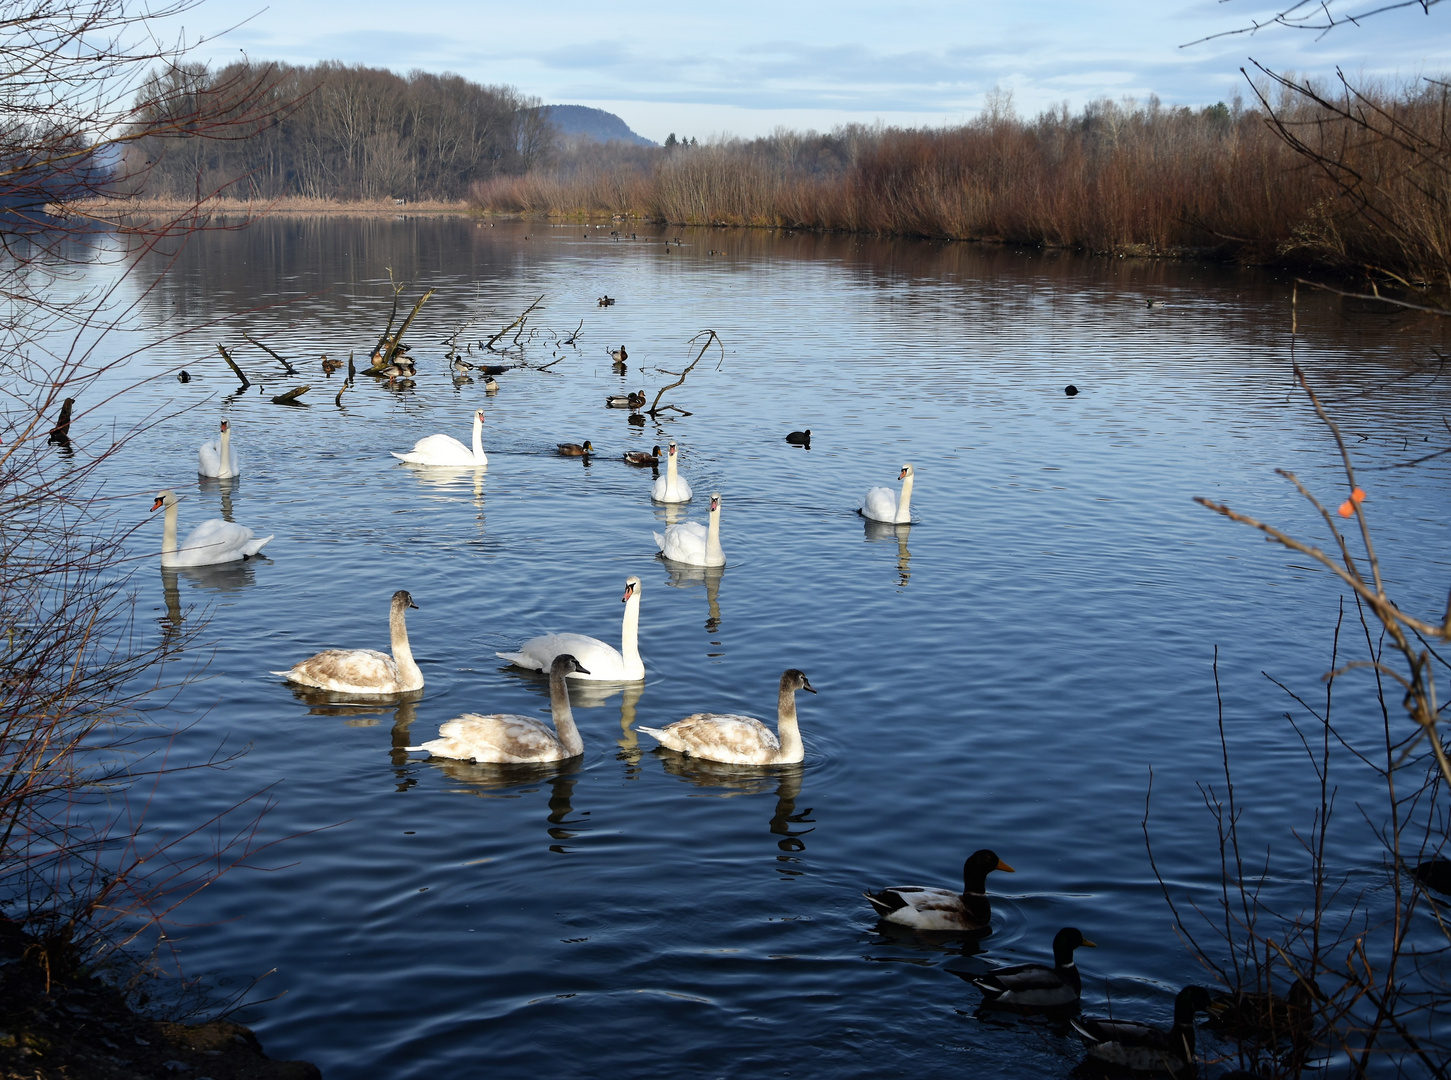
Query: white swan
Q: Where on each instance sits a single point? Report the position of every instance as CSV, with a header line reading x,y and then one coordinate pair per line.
x,y
692,543
447,451
882,504
218,458
511,739
741,740
214,541
672,487
365,671
605,663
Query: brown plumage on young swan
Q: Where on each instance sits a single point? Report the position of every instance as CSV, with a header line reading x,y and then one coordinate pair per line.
x,y
365,671
510,739
741,740
923,907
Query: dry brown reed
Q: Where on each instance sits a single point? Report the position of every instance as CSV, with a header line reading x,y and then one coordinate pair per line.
x,y
1362,181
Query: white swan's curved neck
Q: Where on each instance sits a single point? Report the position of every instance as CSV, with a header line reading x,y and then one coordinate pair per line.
x,y
630,633
409,677
226,451
792,749
904,504
670,469
168,535
569,740
478,436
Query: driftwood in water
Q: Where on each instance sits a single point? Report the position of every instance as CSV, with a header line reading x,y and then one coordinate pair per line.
x,y
710,336
233,365
61,433
522,316
338,401
290,398
286,363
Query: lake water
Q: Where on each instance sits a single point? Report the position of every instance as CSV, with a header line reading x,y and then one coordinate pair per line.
x,y
1006,673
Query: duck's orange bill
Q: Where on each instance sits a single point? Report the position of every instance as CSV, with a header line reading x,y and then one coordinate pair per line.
x,y
1004,866
1090,944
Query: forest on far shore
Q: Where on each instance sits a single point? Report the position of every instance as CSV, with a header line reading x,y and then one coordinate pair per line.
x,y
1350,178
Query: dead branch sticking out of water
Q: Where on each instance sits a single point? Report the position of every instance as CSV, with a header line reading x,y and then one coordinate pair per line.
x,y
517,322
61,433
233,365
290,398
573,338
286,363
710,337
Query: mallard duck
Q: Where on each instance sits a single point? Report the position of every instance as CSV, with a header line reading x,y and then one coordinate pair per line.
x,y
1038,985
925,908
639,457
1142,1048
1435,874
619,355
571,449
632,400
1262,1015
799,438
491,385
329,366
462,366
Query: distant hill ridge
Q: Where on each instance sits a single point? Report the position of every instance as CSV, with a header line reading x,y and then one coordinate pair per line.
x,y
594,124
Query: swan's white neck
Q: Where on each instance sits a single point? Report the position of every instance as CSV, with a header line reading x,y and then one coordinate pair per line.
x,y
225,468
409,677
786,730
478,437
630,633
713,551
168,534
904,504
569,740
670,470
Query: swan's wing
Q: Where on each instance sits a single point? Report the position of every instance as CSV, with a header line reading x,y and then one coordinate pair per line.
x,y
342,669
685,542
880,504
500,737
438,450
659,541
234,462
603,661
682,488
209,459
657,489
720,737
215,541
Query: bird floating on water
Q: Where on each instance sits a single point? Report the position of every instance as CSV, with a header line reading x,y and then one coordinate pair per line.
x,y
571,449
1140,1047
742,740
1038,986
923,907
799,438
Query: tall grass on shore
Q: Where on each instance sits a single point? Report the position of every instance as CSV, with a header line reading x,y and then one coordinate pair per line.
x,y
1224,181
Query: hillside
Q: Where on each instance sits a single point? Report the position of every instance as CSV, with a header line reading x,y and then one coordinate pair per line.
x,y
596,124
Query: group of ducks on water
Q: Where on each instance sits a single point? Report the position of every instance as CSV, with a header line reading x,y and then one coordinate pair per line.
x,y
721,737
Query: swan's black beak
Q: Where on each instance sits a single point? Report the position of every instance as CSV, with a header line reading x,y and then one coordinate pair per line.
x,y
806,685
581,668
412,604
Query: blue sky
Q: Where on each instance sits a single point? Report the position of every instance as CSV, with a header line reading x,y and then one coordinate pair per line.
x,y
745,67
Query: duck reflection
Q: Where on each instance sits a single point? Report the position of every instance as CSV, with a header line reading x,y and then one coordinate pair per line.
x,y
733,780
218,578
883,532
685,577
224,486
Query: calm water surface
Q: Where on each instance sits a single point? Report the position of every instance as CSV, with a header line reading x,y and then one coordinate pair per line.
x,y
1005,673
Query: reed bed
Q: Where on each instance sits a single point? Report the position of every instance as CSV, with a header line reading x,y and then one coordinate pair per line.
x,y
1347,180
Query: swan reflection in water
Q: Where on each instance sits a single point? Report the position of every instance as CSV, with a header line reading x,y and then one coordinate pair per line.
x,y
685,577
731,781
225,486
450,478
216,578
884,531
